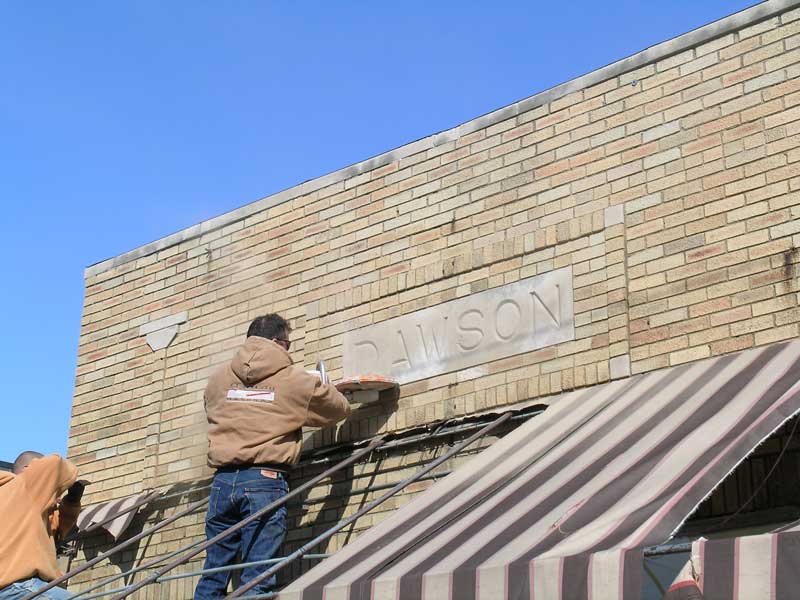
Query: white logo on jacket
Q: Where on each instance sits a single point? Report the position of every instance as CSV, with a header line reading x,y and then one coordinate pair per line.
x,y
255,395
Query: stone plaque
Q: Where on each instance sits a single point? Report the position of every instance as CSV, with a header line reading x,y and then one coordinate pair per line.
x,y
515,318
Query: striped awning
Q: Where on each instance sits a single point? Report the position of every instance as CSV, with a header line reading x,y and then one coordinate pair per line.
x,y
753,567
562,507
113,516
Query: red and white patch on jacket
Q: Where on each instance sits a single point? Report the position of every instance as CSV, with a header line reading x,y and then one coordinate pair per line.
x,y
239,395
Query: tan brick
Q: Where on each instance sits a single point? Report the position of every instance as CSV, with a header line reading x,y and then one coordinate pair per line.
x,y
689,354
777,334
710,306
774,305
750,239
732,344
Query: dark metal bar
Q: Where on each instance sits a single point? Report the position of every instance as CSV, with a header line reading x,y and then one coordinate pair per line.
x,y
185,492
352,519
106,593
195,574
375,488
144,567
236,567
256,515
121,546
668,548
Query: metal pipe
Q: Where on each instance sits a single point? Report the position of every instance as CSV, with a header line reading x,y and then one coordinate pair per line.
x,y
184,492
147,565
247,565
374,488
196,573
668,549
352,519
144,567
256,515
121,546
106,593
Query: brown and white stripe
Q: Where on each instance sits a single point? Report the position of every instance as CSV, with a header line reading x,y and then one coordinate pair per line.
x,y
755,567
561,508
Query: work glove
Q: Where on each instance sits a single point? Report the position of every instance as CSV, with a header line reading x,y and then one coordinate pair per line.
x,y
75,492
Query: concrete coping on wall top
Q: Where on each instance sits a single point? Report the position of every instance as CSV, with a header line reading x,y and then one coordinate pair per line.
x,y
689,40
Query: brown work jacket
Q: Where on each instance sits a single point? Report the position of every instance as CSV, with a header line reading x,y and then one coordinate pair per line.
x,y
258,404
32,516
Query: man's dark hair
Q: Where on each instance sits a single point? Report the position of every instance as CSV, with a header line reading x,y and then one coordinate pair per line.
x,y
24,459
269,326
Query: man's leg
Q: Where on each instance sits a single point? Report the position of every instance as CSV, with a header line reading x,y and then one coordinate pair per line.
x,y
20,589
262,539
222,512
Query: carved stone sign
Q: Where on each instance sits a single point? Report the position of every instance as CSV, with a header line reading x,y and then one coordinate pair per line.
x,y
515,318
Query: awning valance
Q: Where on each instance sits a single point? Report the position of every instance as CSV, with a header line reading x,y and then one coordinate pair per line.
x,y
561,508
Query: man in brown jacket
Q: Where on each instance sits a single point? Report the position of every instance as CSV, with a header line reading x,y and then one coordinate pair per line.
x,y
256,407
33,515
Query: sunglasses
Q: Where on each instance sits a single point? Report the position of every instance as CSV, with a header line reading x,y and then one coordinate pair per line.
x,y
283,342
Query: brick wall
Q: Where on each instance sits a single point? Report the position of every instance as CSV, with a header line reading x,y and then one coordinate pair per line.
x,y
672,190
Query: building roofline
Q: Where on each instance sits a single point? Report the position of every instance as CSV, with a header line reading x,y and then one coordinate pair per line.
x,y
716,29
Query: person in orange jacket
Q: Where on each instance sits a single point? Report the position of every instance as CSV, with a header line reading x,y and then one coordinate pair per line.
x,y
33,517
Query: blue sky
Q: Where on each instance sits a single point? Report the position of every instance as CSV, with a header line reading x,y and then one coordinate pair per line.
x,y
123,122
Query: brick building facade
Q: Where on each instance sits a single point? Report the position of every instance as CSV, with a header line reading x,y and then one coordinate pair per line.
x,y
667,185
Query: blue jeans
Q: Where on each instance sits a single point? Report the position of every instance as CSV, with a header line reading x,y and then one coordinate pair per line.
x,y
20,589
236,494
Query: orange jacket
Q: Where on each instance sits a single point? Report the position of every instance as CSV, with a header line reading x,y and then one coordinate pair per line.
x,y
31,517
258,404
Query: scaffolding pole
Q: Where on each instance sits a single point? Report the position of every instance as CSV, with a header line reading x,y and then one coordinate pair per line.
x,y
256,515
131,571
235,567
352,519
